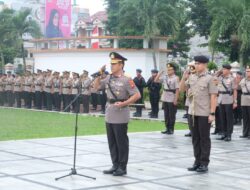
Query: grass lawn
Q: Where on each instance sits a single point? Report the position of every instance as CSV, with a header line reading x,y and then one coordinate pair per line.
x,y
27,124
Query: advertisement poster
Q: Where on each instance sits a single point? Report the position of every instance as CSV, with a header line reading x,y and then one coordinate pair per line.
x,y
58,18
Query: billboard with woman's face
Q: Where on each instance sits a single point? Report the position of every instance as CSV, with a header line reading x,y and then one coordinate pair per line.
x,y
58,18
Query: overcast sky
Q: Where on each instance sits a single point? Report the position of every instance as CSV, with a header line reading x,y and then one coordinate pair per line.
x,y
92,5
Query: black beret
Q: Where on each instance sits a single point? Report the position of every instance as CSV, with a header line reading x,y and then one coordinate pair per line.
x,y
227,66
138,70
116,57
171,66
201,59
154,71
239,73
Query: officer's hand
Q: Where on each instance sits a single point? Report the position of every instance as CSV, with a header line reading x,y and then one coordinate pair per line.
x,y
175,102
185,75
119,104
103,68
234,105
211,118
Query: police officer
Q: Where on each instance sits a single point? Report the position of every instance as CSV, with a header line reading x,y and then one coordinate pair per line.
x,y
140,84
245,103
48,89
28,83
9,88
75,91
154,93
2,89
121,91
237,110
66,90
202,96
169,97
38,83
103,95
18,89
227,101
86,82
57,90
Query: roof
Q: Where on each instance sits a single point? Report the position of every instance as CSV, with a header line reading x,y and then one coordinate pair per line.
x,y
101,15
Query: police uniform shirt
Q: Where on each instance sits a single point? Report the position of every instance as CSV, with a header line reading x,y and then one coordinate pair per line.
x,y
123,87
1,84
245,86
48,84
57,84
169,83
66,86
28,84
17,84
38,83
75,86
86,86
201,87
9,83
230,84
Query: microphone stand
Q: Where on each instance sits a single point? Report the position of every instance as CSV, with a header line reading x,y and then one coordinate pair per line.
x,y
73,170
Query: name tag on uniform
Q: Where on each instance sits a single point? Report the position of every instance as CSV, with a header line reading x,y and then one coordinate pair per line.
x,y
119,84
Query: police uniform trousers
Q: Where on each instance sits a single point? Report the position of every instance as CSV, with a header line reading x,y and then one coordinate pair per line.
x,y
1,98
237,110
169,115
9,94
49,100
66,102
33,95
218,127
154,102
76,103
28,99
94,100
226,114
57,101
246,120
201,139
118,143
190,122
44,100
85,103
103,100
18,99
38,97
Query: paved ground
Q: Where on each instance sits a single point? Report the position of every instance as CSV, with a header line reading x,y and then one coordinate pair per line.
x,y
156,162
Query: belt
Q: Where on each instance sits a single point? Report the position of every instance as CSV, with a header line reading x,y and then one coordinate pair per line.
x,y
225,92
48,86
17,85
27,85
112,101
38,85
66,87
170,90
246,93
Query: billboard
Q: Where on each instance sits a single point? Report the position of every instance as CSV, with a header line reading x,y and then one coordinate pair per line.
x,y
57,18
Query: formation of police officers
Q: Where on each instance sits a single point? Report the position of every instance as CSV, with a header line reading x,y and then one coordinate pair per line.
x,y
49,91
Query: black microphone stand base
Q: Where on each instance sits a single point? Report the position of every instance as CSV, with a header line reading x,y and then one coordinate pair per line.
x,y
74,172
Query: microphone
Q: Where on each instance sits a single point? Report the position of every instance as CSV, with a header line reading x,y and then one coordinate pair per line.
x,y
100,72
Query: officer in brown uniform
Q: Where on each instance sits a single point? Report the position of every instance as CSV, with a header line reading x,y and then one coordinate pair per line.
x,y
2,89
121,91
9,88
245,103
76,84
202,97
66,90
44,98
86,82
48,85
169,97
18,89
28,82
57,82
227,101
38,83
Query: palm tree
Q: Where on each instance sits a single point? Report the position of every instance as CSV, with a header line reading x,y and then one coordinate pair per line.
x,y
24,25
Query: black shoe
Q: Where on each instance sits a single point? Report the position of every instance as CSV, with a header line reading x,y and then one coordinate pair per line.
x,y
170,132
193,168
165,132
111,170
188,135
119,172
243,136
214,133
221,138
185,116
149,113
202,169
227,139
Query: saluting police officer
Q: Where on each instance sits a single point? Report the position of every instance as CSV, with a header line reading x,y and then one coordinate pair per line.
x,y
169,96
227,101
121,91
202,96
154,93
2,78
28,83
245,103
237,110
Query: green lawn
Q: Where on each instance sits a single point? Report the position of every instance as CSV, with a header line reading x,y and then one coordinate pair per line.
x,y
27,124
